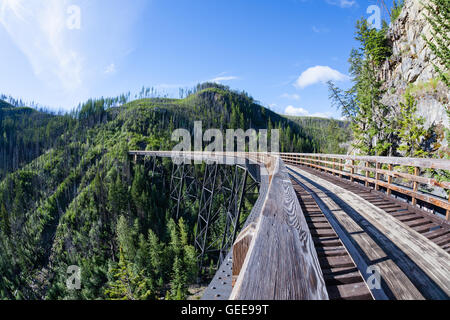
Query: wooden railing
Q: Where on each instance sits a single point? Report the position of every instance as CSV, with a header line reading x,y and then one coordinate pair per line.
x,y
401,175
274,257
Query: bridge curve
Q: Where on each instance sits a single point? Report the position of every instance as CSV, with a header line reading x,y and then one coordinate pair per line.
x,y
329,227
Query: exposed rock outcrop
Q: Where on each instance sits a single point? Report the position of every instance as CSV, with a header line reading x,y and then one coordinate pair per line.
x,y
411,67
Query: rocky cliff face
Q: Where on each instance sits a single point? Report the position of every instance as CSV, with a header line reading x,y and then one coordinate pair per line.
x,y
411,67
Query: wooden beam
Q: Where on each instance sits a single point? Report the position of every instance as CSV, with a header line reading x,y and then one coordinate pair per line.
x,y
389,191
415,185
377,176
442,164
240,249
367,174
352,171
281,263
426,255
447,216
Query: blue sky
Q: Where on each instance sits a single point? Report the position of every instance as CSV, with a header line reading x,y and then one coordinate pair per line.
x,y
279,51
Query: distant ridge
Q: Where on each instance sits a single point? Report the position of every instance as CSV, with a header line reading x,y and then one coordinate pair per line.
x,y
4,104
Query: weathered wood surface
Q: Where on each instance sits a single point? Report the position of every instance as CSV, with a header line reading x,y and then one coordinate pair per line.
x,y
365,251
366,168
415,195
281,263
240,249
403,255
266,160
342,277
410,162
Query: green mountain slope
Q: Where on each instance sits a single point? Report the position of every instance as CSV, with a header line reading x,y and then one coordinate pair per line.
x,y
25,134
330,136
5,105
78,201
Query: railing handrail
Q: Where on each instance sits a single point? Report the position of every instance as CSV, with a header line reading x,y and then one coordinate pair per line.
x,y
280,262
426,163
268,250
439,164
281,216
373,170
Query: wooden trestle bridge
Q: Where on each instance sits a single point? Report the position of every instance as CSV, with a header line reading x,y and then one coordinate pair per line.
x,y
323,226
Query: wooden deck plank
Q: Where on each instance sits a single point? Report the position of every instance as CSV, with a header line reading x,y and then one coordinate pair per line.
x,y
436,233
357,291
425,228
418,222
429,257
281,263
400,286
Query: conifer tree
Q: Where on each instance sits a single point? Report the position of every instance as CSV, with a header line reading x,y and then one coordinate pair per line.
x,y
125,236
411,129
179,280
127,284
372,127
438,15
156,254
4,220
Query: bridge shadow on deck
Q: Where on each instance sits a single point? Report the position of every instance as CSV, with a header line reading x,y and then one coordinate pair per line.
x,y
424,284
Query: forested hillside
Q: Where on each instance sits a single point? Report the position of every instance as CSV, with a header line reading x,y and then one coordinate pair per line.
x,y
330,136
69,194
399,102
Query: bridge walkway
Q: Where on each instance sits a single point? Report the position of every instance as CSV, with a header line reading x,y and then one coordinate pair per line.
x,y
407,247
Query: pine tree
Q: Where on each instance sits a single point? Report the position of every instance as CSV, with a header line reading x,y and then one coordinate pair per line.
x,y
155,250
189,253
175,243
127,284
125,236
411,129
179,280
438,15
370,122
4,220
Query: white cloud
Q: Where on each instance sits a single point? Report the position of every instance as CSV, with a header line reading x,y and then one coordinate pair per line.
x,y
320,30
290,96
292,111
111,69
343,3
38,28
301,112
318,74
223,78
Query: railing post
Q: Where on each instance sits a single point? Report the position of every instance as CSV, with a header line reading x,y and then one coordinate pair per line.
x,y
389,191
377,176
240,250
447,216
341,168
415,186
334,166
367,174
352,171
